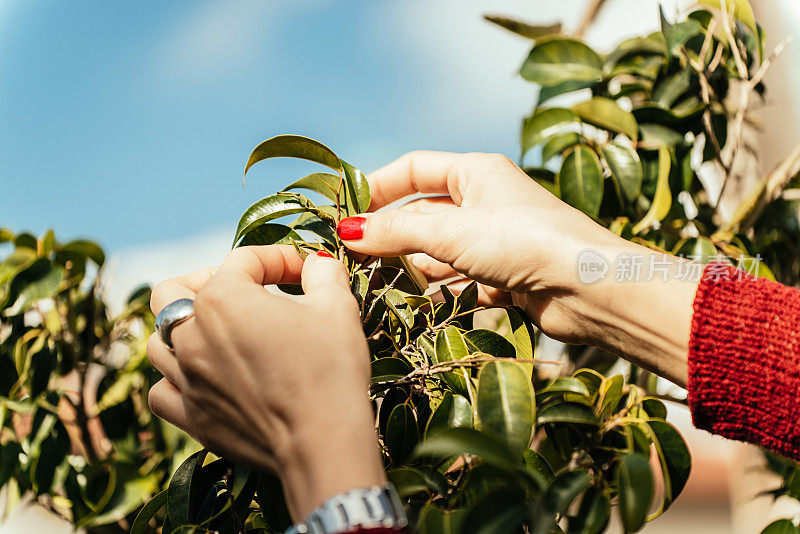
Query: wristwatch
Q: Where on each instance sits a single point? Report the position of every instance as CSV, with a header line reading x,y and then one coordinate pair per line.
x,y
375,507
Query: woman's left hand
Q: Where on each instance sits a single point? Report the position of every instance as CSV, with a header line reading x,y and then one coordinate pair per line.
x,y
273,383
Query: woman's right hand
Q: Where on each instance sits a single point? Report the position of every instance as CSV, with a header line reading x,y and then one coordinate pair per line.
x,y
493,224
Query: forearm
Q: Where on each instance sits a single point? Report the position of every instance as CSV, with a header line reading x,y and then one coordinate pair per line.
x,y
643,313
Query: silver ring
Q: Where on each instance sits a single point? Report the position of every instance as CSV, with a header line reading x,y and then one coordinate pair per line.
x,y
171,316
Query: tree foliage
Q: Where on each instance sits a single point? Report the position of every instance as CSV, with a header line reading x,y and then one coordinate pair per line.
x,y
478,433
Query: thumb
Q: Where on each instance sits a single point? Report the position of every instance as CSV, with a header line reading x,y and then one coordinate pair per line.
x,y
325,281
396,232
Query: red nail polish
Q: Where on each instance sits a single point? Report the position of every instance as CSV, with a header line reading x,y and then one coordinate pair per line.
x,y
324,254
351,228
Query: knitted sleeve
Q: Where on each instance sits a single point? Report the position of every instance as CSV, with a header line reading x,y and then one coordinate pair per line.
x,y
744,360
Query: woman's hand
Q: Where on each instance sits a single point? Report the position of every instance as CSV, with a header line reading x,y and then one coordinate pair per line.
x,y
494,224
276,384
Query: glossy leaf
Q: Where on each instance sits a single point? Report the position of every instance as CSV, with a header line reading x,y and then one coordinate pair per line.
x,y
385,369
674,456
635,484
559,60
742,10
458,441
273,207
568,412
410,481
87,249
565,489
676,35
781,526
402,433
270,234
506,406
450,346
537,463
518,330
326,184
501,510
605,113
593,514
531,31
662,201
294,146
489,342
564,385
580,180
625,168
433,520
558,144
179,489
453,411
545,123
358,193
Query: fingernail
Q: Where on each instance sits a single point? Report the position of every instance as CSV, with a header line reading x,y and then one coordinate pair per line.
x,y
351,228
324,254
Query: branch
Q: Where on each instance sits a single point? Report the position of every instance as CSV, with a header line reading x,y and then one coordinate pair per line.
x,y
589,17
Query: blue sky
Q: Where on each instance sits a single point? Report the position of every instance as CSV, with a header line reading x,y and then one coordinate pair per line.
x,y
131,122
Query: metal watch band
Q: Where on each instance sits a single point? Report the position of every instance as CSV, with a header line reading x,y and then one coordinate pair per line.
x,y
375,507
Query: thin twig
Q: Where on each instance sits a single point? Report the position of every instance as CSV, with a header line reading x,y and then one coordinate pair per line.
x,y
589,17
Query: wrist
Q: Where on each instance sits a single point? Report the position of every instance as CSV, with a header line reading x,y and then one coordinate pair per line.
x,y
642,307
330,455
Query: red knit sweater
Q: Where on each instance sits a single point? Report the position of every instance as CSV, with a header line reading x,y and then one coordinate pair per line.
x,y
744,361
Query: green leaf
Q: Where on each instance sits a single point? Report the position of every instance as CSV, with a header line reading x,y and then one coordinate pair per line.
x,y
563,385
531,31
179,489
358,194
580,180
501,510
410,481
610,393
402,433
558,144
677,35
568,412
294,146
506,406
450,346
668,90
565,489
605,113
457,441
386,369
40,281
699,249
489,342
519,331
86,249
433,520
781,526
537,463
147,512
662,200
274,207
676,462
625,168
324,183
561,60
543,124
593,514
551,91
637,46
654,408
742,10
655,135
271,501
454,411
635,486
270,234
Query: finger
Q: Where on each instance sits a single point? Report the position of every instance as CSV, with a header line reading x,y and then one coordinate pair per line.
x,y
396,232
433,270
166,402
181,287
264,265
416,172
164,360
326,282
429,205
